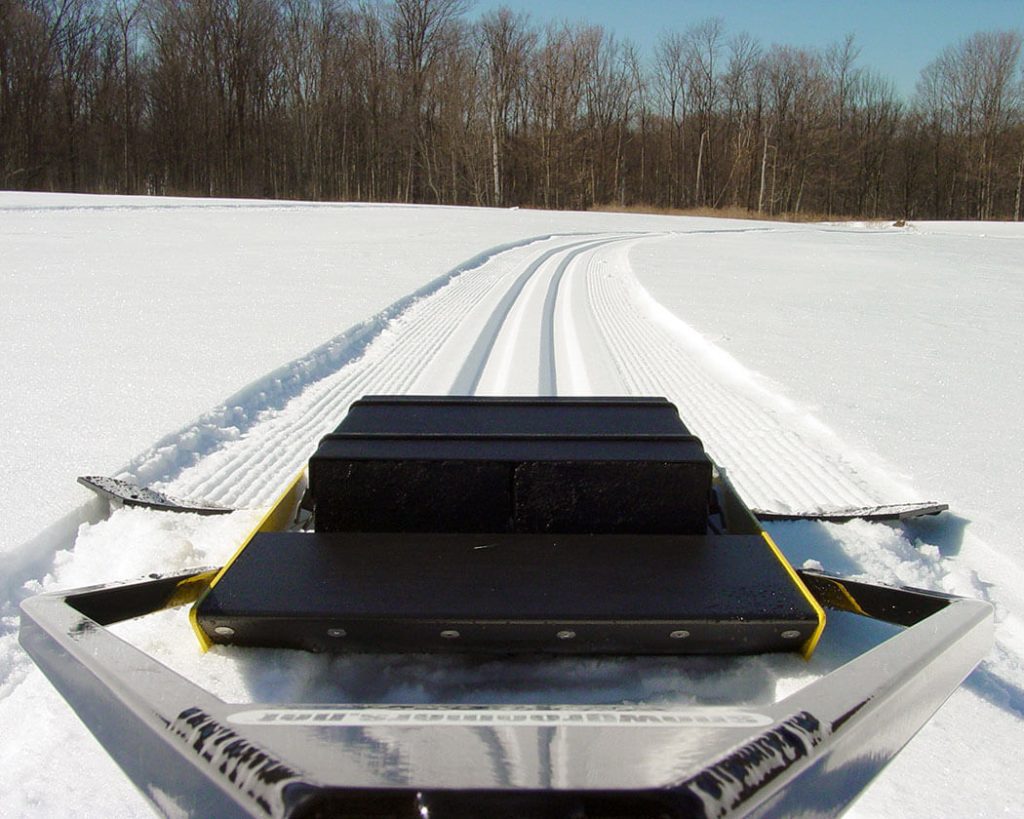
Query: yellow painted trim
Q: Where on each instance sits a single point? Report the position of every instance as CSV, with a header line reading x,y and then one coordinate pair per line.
x,y
851,604
812,642
279,516
189,589
205,643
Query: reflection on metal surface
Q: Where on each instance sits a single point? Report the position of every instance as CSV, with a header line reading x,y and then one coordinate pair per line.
x,y
251,769
731,781
473,717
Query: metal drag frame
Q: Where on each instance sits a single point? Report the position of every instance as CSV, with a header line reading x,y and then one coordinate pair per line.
x,y
811,753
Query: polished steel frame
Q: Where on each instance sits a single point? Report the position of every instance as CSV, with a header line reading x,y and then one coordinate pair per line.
x,y
810,753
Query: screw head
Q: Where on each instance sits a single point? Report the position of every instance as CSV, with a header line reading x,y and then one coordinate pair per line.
x,y
792,634
450,634
336,632
565,634
679,634
224,631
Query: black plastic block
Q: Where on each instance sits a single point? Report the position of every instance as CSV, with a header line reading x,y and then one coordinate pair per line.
x,y
643,497
511,465
413,496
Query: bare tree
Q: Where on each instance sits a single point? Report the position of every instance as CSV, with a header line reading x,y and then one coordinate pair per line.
x,y
419,29
125,13
507,45
972,91
671,81
704,47
412,100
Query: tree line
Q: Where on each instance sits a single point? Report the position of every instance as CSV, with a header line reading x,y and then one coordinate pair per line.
x,y
417,101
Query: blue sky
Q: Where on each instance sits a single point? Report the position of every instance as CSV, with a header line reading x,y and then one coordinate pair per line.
x,y
897,38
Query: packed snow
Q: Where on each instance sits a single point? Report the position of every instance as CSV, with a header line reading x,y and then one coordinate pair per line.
x,y
206,345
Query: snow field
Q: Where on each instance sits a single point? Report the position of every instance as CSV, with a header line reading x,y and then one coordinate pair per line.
x,y
543,303
906,340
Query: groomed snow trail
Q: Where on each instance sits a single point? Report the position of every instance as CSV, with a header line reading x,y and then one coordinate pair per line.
x,y
604,335
561,316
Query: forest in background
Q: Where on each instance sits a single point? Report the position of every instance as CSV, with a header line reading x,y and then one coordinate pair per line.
x,y
421,101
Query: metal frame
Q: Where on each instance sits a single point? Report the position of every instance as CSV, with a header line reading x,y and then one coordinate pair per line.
x,y
191,753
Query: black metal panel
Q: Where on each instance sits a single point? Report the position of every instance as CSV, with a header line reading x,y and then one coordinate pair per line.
x,y
523,803
482,415
421,495
413,496
508,448
505,593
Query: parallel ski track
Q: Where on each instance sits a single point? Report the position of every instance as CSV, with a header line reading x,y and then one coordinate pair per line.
x,y
468,380
523,352
247,472
563,316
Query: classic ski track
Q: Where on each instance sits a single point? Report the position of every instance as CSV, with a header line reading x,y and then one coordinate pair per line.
x,y
577,372
774,461
522,357
248,470
565,320
468,379
283,443
565,345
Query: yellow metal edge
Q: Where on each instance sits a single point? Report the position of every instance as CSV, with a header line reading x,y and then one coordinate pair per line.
x,y
849,603
189,589
812,642
276,518
205,643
